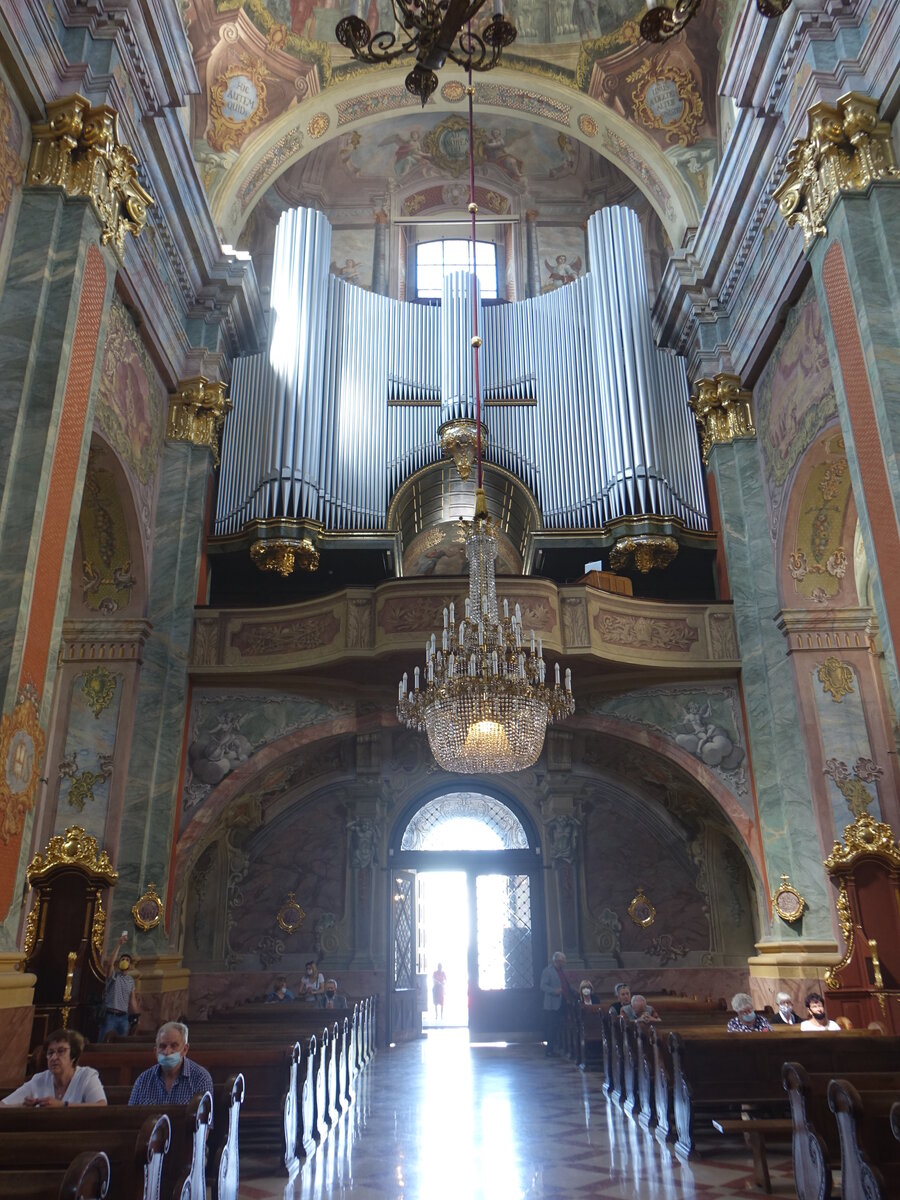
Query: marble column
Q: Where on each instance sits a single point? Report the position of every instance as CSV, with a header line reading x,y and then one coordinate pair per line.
x,y
532,255
856,268
151,808
52,328
781,773
363,839
380,283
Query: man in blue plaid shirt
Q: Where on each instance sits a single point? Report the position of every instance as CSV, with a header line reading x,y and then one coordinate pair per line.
x,y
174,1079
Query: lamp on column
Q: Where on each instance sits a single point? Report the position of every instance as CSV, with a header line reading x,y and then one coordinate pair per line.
x,y
433,31
484,699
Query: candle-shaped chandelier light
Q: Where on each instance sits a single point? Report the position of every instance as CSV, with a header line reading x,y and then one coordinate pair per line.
x,y
483,700
432,30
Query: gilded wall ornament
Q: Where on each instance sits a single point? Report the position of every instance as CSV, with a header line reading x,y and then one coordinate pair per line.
x,y
641,910
290,916
78,149
836,678
21,750
647,551
74,848
237,103
846,149
282,555
98,927
196,413
31,925
665,97
722,409
787,901
851,785
10,166
318,125
147,910
99,688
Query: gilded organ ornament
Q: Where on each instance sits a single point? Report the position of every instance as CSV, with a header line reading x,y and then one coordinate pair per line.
x,y
722,410
282,555
459,441
647,552
846,149
196,413
78,150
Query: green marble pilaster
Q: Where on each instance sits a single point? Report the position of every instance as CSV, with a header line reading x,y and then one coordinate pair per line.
x,y
38,312
867,227
154,770
786,813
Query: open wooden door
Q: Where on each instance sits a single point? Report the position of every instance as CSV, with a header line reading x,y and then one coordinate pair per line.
x,y
404,1017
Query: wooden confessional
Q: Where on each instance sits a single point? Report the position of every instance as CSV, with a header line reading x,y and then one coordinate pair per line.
x,y
865,984
64,933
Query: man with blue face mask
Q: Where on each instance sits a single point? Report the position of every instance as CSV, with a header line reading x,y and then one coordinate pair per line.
x,y
174,1079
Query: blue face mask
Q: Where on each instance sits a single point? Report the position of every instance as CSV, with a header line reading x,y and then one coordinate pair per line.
x,y
168,1062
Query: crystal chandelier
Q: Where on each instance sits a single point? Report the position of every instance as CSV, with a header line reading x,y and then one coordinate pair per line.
x,y
484,701
432,30
663,21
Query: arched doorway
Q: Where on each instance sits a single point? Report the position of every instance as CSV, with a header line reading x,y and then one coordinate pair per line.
x,y
486,853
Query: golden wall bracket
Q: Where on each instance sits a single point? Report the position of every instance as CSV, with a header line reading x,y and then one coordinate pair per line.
x,y
78,150
282,555
196,413
846,149
459,441
722,409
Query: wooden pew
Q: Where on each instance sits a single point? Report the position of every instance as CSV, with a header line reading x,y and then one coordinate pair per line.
x,y
86,1178
183,1170
136,1160
224,1156
870,1155
721,1072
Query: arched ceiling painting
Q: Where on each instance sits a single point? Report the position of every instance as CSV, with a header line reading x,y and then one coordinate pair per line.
x,y
581,113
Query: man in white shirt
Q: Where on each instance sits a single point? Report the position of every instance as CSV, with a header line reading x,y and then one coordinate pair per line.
x,y
818,1018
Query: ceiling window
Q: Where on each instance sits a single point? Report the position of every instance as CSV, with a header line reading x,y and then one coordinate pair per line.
x,y
436,259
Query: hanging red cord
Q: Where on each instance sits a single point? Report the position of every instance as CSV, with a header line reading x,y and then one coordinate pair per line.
x,y
473,209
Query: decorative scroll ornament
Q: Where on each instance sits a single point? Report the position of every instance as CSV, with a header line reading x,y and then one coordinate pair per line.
x,y
665,97
722,409
459,441
78,149
663,21
641,910
846,149
21,750
74,848
433,31
237,103
282,555
290,916
196,413
865,836
787,901
31,924
147,910
646,550
99,689
836,678
845,921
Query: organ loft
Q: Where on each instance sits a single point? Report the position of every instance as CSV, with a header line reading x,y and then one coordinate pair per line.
x,y
413,473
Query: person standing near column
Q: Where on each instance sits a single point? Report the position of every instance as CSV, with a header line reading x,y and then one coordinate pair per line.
x,y
119,997
553,983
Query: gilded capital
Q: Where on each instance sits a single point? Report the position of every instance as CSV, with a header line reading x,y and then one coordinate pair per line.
x,y
846,149
722,409
196,413
282,555
78,150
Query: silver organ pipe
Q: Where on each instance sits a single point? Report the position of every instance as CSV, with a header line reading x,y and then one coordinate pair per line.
x,y
345,403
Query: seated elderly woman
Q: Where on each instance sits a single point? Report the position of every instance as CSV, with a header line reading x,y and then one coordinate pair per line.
x,y
64,1082
747,1020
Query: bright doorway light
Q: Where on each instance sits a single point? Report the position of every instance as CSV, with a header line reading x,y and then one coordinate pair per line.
x,y
444,939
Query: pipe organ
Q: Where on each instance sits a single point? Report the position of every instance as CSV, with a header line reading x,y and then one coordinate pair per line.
x,y
344,405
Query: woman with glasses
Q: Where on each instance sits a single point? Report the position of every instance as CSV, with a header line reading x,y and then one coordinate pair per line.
x,y
64,1082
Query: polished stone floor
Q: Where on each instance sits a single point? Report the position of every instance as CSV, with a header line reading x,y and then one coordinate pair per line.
x,y
440,1118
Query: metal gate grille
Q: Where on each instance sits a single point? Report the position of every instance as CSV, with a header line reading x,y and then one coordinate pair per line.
x,y
403,931
503,905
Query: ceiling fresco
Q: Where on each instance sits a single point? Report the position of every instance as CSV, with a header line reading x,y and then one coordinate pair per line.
x,y
276,89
